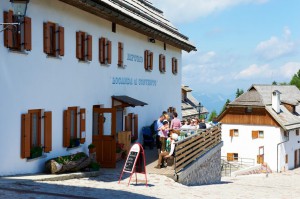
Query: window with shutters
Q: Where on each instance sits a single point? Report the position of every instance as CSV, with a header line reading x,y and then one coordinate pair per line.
x,y
148,60
120,55
36,133
83,46
255,134
53,39
104,51
17,37
232,156
297,132
131,124
162,63
74,127
233,132
261,134
174,66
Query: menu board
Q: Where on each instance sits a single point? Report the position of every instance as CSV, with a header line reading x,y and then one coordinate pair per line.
x,y
132,158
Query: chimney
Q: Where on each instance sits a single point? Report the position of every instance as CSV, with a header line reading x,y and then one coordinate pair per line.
x,y
276,101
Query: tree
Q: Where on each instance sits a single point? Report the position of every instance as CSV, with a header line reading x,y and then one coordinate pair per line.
x,y
274,83
225,105
239,92
296,79
212,115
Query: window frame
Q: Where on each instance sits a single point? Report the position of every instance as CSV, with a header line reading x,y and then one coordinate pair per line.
x,y
120,55
84,46
53,39
174,65
162,63
148,60
105,55
234,133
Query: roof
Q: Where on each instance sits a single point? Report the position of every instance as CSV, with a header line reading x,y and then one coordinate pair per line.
x,y
186,88
128,101
138,15
261,96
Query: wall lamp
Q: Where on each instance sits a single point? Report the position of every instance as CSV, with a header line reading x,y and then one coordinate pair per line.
x,y
19,8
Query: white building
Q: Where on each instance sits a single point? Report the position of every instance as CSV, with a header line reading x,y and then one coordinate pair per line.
x,y
78,72
263,124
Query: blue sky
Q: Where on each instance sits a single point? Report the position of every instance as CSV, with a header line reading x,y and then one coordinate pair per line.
x,y
239,43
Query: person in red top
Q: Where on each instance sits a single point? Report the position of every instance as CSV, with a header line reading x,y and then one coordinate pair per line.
x,y
175,123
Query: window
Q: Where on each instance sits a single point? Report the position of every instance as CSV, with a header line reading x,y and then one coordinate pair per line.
x,y
148,60
162,63
113,27
254,134
53,39
260,156
297,132
232,156
165,46
104,51
17,37
233,132
249,110
286,134
74,127
83,46
174,66
131,124
120,54
36,133
260,134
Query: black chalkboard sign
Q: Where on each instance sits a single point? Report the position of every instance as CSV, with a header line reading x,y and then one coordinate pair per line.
x,y
131,159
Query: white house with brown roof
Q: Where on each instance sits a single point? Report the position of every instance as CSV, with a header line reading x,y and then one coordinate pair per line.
x,y
263,124
77,72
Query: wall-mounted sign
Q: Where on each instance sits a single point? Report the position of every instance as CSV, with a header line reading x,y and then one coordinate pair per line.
x,y
133,81
135,58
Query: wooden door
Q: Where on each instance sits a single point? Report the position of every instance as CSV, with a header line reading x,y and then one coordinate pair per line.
x,y
104,137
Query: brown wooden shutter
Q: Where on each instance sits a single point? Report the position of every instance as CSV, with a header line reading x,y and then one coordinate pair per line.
x,y
128,122
61,41
8,33
82,126
27,33
164,63
67,128
176,66
79,44
136,126
46,38
230,156
254,134
146,59
151,60
231,132
120,54
173,65
160,63
48,131
102,50
25,136
109,52
89,47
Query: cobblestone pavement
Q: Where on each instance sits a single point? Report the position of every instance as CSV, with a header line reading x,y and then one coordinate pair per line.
x,y
282,186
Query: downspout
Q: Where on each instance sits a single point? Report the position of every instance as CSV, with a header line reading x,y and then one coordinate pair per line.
x,y
278,146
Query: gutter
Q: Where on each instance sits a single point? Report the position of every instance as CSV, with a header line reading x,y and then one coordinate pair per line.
x,y
280,144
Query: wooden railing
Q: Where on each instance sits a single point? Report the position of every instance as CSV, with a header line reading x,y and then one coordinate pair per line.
x,y
192,147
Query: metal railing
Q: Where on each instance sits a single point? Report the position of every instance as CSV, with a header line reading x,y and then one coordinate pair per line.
x,y
227,167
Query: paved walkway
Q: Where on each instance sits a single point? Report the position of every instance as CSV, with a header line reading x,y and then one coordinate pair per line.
x,y
282,186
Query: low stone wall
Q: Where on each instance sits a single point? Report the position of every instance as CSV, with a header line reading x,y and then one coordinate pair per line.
x,y
205,170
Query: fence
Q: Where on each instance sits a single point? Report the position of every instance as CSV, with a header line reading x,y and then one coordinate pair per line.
x,y
190,148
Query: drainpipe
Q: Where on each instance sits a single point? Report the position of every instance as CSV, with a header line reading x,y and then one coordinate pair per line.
x,y
280,144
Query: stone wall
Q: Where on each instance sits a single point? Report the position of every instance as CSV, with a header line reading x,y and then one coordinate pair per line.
x,y
205,170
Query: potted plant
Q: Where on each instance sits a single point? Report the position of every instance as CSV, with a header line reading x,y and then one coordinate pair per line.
x,y
92,148
36,152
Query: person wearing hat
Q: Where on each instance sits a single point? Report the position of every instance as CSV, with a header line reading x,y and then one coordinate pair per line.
x,y
166,155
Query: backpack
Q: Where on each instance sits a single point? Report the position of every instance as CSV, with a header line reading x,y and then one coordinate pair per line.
x,y
152,127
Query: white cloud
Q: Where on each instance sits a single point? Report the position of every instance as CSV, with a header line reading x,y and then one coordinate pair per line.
x,y
194,9
289,69
276,47
254,71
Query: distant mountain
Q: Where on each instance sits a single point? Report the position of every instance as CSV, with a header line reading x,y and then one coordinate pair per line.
x,y
212,101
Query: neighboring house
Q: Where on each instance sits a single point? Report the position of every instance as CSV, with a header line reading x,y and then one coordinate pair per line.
x,y
73,73
190,106
263,124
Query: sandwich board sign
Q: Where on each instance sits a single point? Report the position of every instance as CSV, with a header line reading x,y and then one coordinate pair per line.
x,y
135,162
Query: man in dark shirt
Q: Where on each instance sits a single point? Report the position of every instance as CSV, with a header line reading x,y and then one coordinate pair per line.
x,y
202,124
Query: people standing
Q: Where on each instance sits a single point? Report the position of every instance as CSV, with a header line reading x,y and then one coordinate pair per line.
x,y
158,127
163,135
175,123
202,124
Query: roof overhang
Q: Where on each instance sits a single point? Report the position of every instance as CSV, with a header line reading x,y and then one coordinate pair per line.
x,y
103,10
126,101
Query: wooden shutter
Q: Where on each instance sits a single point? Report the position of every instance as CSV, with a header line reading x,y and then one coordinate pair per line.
x,y
164,63
108,52
120,54
128,122
48,131
82,126
146,59
89,48
151,60
8,33
160,63
136,126
27,33
230,156
79,45
254,134
46,28
102,50
231,132
25,136
67,128
61,41
173,65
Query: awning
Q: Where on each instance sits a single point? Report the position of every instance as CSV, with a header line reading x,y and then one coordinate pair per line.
x,y
125,101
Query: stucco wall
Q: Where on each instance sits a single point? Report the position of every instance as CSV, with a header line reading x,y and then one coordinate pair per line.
x,y
35,81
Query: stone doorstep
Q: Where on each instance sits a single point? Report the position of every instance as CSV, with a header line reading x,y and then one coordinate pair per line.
x,y
50,177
